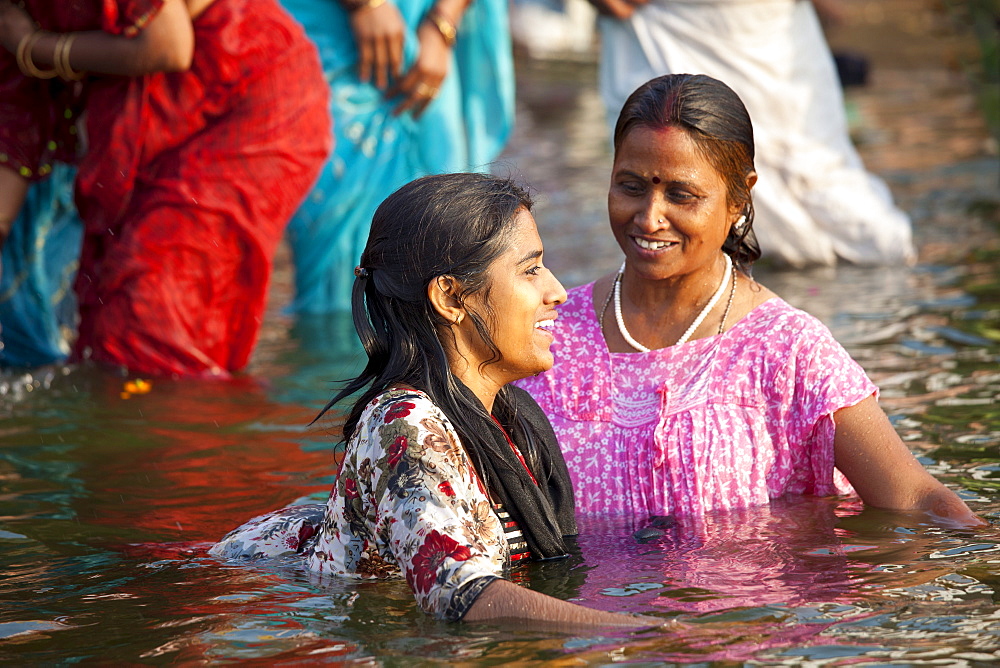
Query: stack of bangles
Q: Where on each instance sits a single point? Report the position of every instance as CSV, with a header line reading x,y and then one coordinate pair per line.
x,y
60,57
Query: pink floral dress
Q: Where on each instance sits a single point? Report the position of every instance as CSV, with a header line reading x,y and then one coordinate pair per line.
x,y
406,502
728,421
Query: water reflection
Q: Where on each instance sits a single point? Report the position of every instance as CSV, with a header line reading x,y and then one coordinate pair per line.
x,y
107,503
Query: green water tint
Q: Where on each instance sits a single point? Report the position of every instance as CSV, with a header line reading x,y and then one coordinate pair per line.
x,y
108,504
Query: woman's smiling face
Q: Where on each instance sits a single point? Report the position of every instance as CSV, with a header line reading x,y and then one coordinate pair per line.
x,y
667,204
522,297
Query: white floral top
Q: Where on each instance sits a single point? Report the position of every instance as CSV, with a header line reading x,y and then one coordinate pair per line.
x,y
406,502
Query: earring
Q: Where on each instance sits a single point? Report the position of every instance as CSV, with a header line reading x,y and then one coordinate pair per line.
x,y
740,222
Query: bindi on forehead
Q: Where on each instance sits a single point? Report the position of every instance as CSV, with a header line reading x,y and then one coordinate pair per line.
x,y
656,180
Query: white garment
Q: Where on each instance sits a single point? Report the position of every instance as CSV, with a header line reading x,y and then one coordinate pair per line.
x,y
814,201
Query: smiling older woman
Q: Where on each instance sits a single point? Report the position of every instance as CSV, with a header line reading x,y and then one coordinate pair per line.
x,y
681,385
450,476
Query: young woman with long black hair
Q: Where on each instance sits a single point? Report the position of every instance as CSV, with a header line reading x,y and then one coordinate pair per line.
x,y
450,475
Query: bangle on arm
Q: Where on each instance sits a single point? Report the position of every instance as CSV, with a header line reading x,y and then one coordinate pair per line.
x,y
352,6
24,61
444,25
61,58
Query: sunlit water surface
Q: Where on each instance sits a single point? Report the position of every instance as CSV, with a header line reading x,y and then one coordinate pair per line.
x,y
109,497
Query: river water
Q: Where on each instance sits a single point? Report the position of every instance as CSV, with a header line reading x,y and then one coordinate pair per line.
x,y
110,491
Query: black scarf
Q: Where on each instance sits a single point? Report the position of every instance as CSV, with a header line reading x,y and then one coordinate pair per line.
x,y
544,512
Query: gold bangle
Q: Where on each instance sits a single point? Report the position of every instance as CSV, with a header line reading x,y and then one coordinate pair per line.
x,y
24,61
447,29
61,58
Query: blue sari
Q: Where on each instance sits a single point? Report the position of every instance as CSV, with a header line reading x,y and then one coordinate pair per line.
x,y
40,257
463,129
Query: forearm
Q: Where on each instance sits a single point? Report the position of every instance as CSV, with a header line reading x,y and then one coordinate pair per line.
x,y
165,44
503,600
13,188
884,472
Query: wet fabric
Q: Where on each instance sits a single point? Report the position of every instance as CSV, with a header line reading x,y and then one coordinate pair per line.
x,y
39,260
187,182
538,495
724,422
407,503
814,201
375,152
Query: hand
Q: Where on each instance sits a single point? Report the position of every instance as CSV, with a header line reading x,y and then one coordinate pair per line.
x,y
420,85
379,33
619,9
15,23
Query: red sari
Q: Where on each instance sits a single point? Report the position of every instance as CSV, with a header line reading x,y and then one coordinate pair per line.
x,y
187,181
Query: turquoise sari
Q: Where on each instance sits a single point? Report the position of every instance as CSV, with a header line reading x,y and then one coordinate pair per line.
x,y
463,129
40,257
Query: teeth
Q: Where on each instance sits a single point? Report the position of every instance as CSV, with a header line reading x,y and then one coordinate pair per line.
x,y
652,245
545,324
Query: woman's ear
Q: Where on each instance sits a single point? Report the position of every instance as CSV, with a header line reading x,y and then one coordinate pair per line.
x,y
441,292
738,209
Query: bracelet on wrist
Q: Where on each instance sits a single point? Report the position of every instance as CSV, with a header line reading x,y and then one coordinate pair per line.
x,y
61,58
444,26
352,6
23,56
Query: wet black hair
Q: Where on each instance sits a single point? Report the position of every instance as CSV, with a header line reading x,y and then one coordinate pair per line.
x,y
452,225
720,126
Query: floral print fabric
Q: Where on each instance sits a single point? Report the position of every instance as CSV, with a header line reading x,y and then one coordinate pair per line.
x,y
729,421
407,502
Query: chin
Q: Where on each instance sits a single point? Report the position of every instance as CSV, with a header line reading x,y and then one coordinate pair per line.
x,y
545,365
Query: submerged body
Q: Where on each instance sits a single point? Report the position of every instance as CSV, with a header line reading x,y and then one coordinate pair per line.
x,y
407,503
718,423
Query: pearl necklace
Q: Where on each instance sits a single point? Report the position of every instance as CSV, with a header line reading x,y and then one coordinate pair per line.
x,y
694,325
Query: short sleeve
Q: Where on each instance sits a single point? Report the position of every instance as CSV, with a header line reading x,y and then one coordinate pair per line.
x,y
429,507
818,378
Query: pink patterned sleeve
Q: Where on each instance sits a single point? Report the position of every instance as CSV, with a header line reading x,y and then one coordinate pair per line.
x,y
818,378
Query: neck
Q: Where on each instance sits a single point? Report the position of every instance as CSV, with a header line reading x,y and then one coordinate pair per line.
x,y
482,386
678,294
672,318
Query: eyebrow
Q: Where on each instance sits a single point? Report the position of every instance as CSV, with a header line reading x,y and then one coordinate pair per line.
x,y
663,181
533,255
